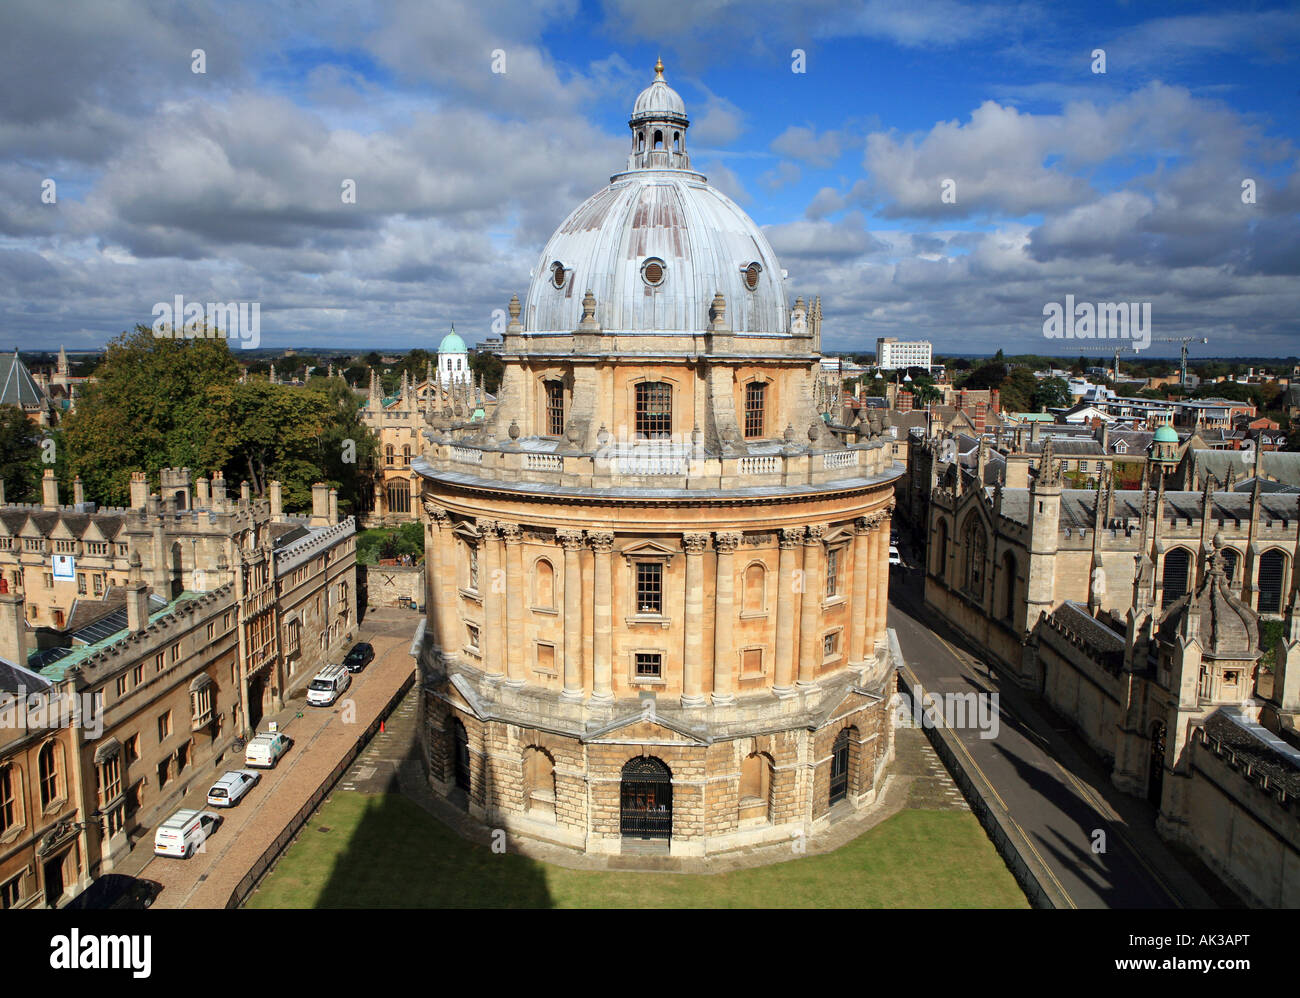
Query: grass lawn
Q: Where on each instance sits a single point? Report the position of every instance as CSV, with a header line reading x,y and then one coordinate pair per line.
x,y
385,852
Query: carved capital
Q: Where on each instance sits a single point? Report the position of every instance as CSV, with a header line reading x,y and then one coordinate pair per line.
x,y
727,543
695,543
791,537
601,541
490,529
511,533
864,525
814,534
570,540
436,513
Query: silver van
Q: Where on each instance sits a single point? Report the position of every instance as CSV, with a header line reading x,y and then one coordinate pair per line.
x,y
184,831
328,685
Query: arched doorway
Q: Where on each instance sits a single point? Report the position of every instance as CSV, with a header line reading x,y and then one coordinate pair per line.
x,y
460,753
1156,768
646,810
840,767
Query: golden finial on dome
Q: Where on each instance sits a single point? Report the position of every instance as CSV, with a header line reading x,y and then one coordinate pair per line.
x,y
659,68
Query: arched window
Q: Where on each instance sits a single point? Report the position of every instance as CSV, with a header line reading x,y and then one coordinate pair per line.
x,y
1008,586
539,782
976,543
460,754
406,455
640,141
840,760
677,141
1272,567
48,763
755,591
940,567
554,408
544,585
756,786
388,454
755,408
1177,565
654,410
1229,560
399,496
9,815
659,140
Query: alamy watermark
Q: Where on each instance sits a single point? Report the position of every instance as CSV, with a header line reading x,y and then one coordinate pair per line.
x,y
34,711
1122,320
978,711
179,319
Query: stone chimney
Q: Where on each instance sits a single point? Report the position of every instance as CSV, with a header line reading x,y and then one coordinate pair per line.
x,y
137,598
139,490
13,626
49,490
202,494
219,491
277,501
334,505
78,491
320,504
245,492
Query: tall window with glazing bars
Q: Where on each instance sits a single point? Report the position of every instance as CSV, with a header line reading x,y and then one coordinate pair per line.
x,y
654,410
755,399
555,408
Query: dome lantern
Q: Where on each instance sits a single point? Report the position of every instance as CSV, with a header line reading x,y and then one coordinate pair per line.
x,y
659,126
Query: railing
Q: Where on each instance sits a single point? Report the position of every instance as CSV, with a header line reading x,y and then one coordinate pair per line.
x,y
651,460
844,459
543,462
768,465
466,455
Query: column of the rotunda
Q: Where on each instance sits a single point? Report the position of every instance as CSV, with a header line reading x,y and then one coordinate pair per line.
x,y
882,566
873,580
810,624
453,634
786,649
693,641
602,544
492,640
859,624
571,541
435,522
513,537
724,617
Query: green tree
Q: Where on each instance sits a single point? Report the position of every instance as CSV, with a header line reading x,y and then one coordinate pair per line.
x,y
20,455
1054,393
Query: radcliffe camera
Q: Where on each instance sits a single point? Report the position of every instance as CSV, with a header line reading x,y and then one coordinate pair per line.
x,y
807,455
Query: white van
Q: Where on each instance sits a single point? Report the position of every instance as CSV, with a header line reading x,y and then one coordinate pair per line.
x,y
264,750
328,685
184,832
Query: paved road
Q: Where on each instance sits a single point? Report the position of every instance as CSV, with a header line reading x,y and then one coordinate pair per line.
x,y
322,736
1058,809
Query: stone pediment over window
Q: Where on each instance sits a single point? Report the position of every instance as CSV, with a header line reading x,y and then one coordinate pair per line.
x,y
649,549
643,729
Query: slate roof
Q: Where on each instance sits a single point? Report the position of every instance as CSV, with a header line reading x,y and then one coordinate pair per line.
x,y
1256,745
1076,617
1284,466
1078,506
17,387
14,678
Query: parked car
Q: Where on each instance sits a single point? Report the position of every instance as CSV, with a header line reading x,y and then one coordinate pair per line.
x,y
328,685
230,789
264,751
117,891
359,657
894,557
184,832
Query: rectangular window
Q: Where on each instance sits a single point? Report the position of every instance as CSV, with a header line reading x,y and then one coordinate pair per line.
x,y
654,410
176,652
555,408
473,636
99,584
8,805
473,568
832,572
164,726
831,645
121,686
755,399
11,892
649,587
81,583
110,780
131,748
546,659
158,662
649,664
212,631
137,675
751,662
165,772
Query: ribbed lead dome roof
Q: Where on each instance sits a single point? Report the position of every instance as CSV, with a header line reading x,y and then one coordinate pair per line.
x,y
657,244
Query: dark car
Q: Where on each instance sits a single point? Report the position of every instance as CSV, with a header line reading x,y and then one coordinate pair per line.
x,y
359,657
116,890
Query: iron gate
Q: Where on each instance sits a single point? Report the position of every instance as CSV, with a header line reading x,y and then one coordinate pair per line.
x,y
840,768
460,751
647,800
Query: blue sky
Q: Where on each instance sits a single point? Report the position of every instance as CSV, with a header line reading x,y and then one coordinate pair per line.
x,y
224,186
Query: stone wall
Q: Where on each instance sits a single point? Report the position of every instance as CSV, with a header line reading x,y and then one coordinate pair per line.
x,y
387,585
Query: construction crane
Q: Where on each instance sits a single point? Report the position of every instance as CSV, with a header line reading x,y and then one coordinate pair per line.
x,y
1184,340
1115,349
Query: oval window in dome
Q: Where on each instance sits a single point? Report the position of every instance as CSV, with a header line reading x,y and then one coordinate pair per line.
x,y
652,272
557,274
751,276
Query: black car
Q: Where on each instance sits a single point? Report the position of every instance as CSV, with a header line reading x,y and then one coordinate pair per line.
x,y
359,657
115,890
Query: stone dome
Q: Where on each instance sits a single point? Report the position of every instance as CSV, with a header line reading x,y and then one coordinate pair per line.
x,y
1227,627
452,343
1166,435
656,245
